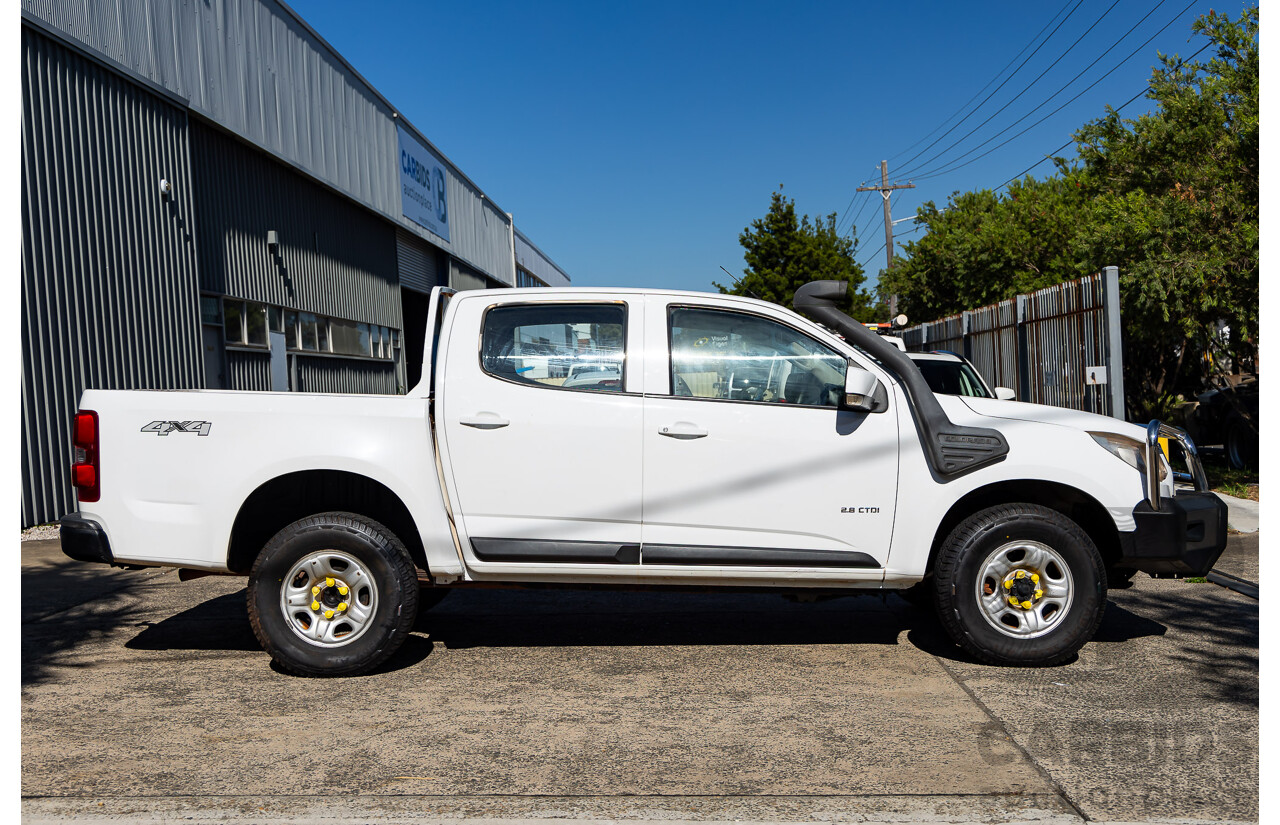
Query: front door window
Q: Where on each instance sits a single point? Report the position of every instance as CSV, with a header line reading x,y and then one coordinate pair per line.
x,y
735,356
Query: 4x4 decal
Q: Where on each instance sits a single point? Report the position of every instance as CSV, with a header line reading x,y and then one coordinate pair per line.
x,y
166,427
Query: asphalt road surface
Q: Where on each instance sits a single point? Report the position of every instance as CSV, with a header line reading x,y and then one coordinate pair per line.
x,y
148,699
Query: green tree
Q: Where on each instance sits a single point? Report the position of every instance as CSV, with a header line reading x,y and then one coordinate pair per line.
x,y
1174,197
784,252
983,247
1170,197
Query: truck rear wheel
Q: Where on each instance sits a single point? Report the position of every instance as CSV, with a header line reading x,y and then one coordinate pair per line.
x,y
1020,584
332,594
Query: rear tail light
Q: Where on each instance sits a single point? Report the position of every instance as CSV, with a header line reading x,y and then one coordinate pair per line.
x,y
85,473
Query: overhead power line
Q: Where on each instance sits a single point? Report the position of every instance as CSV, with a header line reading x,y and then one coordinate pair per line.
x,y
845,214
1052,154
998,88
1013,99
989,82
853,224
949,166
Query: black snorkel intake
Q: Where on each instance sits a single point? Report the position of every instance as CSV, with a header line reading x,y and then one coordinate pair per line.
x,y
950,449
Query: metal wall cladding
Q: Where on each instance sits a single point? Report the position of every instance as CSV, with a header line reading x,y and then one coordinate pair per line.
x,y
334,257
418,262
1039,344
255,68
533,260
346,375
463,277
480,233
109,289
248,370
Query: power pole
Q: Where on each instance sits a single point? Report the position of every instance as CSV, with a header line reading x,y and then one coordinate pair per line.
x,y
884,189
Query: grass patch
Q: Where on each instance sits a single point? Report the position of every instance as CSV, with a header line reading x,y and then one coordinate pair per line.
x,y
1223,479
1195,580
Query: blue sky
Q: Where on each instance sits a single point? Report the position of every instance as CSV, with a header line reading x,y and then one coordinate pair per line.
x,y
634,142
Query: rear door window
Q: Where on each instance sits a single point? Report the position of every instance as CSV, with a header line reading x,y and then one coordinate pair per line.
x,y
561,346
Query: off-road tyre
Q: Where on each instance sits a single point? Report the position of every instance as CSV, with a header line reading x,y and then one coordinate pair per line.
x,y
970,546
385,561
1240,443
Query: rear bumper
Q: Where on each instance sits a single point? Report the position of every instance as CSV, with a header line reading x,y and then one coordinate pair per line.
x,y
84,540
1184,537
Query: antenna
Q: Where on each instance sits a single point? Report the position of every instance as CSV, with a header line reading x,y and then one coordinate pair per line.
x,y
738,284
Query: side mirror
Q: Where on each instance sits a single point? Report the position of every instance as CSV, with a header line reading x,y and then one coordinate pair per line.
x,y
859,390
1005,394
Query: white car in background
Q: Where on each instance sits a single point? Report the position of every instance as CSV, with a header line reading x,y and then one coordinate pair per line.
x,y
594,376
951,374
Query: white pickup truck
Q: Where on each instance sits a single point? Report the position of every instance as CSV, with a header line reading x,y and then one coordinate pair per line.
x,y
727,442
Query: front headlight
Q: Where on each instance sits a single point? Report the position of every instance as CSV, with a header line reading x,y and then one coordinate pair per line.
x,y
1129,450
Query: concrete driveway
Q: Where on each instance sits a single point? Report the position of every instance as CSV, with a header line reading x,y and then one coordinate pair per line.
x,y
148,699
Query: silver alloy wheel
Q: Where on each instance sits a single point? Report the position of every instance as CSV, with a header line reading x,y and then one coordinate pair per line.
x,y
328,599
1024,589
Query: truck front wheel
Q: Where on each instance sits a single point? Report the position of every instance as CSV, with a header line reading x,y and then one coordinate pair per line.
x,y
332,594
1020,584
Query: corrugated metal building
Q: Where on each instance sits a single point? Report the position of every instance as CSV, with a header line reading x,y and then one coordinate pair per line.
x,y
214,198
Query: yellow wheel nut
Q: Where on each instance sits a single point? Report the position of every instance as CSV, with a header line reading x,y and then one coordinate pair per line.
x,y
1035,578
342,591
1013,602
342,606
1026,605
315,591
1038,593
1021,574
328,614
328,582
1008,583
315,605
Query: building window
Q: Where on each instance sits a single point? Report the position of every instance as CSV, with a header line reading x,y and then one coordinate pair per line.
x,y
209,313
310,336
524,278
291,329
351,338
255,322
245,322
233,311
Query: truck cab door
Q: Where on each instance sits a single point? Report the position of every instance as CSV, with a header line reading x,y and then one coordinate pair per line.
x,y
541,415
749,464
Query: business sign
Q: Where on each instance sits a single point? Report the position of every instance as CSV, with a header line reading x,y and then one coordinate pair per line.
x,y
424,196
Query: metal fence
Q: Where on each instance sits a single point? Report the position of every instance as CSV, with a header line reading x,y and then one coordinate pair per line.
x,y
1059,345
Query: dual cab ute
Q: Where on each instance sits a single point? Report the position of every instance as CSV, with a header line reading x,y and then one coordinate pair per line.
x,y
720,441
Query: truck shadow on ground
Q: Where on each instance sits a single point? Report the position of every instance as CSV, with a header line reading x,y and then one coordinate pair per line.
x,y
221,625
1210,634
576,618
67,605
